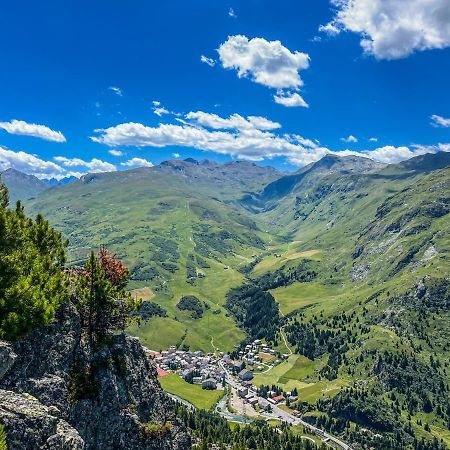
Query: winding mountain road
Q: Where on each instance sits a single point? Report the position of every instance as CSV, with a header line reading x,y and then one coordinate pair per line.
x,y
278,413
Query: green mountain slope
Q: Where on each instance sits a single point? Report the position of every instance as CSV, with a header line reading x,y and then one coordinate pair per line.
x,y
22,186
178,227
349,257
376,318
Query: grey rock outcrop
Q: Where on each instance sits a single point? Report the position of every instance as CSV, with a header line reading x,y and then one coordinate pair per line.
x,y
7,358
110,399
31,425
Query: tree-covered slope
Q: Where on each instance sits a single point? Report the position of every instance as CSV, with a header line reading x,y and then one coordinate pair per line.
x,y
376,318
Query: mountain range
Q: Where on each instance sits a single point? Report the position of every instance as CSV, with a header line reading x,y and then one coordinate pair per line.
x,y
372,315
24,187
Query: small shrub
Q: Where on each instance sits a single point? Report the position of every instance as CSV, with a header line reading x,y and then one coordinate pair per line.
x,y
156,430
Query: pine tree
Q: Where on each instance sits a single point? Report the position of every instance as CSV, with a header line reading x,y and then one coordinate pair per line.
x,y
103,303
32,283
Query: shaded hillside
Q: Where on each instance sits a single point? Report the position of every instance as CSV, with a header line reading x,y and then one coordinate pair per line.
x,y
410,230
324,200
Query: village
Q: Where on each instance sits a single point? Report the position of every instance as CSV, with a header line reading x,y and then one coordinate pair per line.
x,y
214,371
238,400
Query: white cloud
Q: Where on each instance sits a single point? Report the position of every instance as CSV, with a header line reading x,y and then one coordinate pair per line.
x,y
160,111
235,121
422,149
23,128
252,144
33,165
204,59
444,147
250,138
28,163
115,152
116,90
290,99
350,139
390,154
137,162
439,121
94,165
232,13
392,29
176,155
329,28
373,139
265,62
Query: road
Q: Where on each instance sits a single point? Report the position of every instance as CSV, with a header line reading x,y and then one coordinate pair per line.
x,y
184,402
285,341
278,413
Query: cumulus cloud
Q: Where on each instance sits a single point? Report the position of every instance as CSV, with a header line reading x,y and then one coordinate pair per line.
x,y
204,59
28,163
252,138
94,165
290,99
23,128
235,121
116,90
350,139
439,121
137,162
390,154
392,29
373,139
268,63
251,144
114,152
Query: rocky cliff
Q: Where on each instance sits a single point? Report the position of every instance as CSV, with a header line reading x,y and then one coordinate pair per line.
x,y
56,394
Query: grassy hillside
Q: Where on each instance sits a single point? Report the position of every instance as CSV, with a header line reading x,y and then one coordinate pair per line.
x,y
377,316
179,229
351,255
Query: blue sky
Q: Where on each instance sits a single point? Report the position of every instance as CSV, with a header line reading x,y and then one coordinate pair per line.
x,y
313,76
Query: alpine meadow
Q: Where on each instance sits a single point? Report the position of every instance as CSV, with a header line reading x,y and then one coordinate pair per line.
x,y
225,226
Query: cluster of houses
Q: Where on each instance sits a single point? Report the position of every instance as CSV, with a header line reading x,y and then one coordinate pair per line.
x,y
264,404
208,371
251,354
193,367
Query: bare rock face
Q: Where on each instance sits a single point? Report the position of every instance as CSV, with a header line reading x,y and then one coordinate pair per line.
x,y
7,358
31,425
110,399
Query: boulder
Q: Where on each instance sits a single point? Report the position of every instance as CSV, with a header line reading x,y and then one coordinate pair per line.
x,y
29,425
